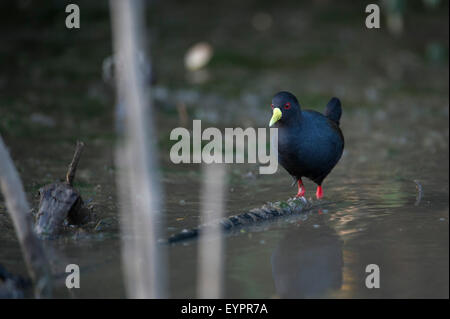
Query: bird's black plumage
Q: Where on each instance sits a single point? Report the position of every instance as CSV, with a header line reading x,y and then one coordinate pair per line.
x,y
309,143
333,110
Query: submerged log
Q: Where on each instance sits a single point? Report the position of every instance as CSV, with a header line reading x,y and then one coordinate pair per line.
x,y
13,286
265,213
60,202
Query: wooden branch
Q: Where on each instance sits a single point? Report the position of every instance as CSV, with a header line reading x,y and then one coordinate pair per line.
x,y
267,212
137,179
211,243
70,176
19,210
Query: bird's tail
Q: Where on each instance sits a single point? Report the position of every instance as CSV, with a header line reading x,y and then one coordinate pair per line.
x,y
334,110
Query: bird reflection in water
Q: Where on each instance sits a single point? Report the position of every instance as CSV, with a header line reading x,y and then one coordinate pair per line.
x,y
307,262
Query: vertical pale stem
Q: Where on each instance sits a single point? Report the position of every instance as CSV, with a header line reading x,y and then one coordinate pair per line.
x,y
19,210
211,243
139,191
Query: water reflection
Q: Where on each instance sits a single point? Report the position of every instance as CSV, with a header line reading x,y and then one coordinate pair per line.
x,y
307,262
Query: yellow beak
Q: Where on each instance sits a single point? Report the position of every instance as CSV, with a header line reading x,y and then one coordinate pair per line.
x,y
276,116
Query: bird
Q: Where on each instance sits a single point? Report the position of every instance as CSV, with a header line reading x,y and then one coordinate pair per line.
x,y
310,143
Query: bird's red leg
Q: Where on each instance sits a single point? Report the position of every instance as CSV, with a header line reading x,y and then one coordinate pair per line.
x,y
301,189
319,192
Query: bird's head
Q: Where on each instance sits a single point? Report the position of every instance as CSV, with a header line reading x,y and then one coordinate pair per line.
x,y
285,108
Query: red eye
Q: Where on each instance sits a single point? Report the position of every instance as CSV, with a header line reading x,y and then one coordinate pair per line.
x,y
287,106
272,106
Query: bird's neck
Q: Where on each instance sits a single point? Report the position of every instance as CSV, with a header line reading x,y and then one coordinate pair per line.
x,y
293,122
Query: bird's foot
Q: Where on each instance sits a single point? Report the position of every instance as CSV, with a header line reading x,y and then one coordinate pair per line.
x,y
301,192
319,192
301,189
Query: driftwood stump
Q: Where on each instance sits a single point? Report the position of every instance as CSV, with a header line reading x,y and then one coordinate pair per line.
x,y
60,202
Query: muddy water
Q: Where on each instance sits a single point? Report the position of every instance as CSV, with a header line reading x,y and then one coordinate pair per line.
x,y
373,214
395,123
